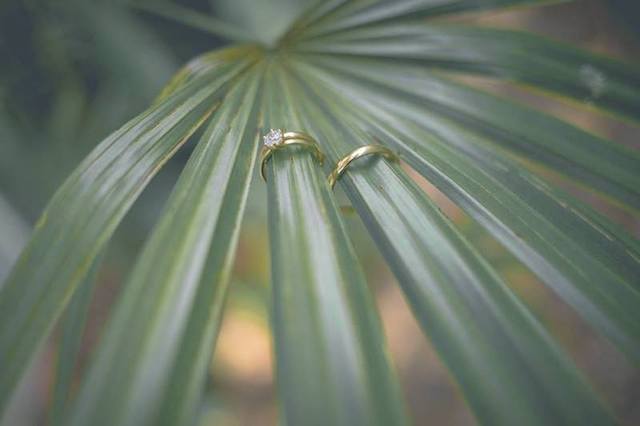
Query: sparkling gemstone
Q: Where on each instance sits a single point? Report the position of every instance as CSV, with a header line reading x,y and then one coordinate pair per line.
x,y
272,138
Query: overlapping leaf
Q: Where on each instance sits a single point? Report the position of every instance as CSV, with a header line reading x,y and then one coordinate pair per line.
x,y
578,258
331,363
494,347
163,327
72,327
84,213
590,79
336,16
595,162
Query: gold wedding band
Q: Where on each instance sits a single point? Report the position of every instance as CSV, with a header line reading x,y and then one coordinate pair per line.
x,y
278,139
341,166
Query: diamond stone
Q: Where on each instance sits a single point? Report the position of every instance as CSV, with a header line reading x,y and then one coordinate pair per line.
x,y
272,138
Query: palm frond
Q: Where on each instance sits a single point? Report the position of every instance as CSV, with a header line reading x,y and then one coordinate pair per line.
x,y
332,365
191,247
86,210
350,73
493,346
596,162
510,55
539,224
336,16
72,326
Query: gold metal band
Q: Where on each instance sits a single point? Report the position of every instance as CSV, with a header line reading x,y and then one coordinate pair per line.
x,y
289,139
298,135
341,166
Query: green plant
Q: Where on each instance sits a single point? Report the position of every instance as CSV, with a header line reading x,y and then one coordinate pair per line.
x,y
348,72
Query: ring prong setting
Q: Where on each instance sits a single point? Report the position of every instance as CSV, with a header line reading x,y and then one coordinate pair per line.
x,y
273,137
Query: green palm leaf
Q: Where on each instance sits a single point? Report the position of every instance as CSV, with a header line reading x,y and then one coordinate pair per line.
x,y
563,148
347,15
72,325
510,55
169,308
84,213
332,366
516,206
493,346
349,73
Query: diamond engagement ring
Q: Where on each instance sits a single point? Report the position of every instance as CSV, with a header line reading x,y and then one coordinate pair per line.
x,y
277,139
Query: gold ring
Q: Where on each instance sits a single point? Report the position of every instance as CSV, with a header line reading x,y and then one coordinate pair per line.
x,y
342,165
278,139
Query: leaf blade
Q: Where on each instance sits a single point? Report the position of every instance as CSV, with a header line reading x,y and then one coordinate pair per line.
x,y
83,214
606,166
72,325
366,14
493,346
160,343
331,363
589,79
544,228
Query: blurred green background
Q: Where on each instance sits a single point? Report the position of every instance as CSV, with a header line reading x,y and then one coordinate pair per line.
x,y
74,71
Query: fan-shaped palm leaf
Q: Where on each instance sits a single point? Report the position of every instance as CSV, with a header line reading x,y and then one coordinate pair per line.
x,y
349,73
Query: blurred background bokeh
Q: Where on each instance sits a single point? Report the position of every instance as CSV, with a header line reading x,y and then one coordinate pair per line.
x,y
71,72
